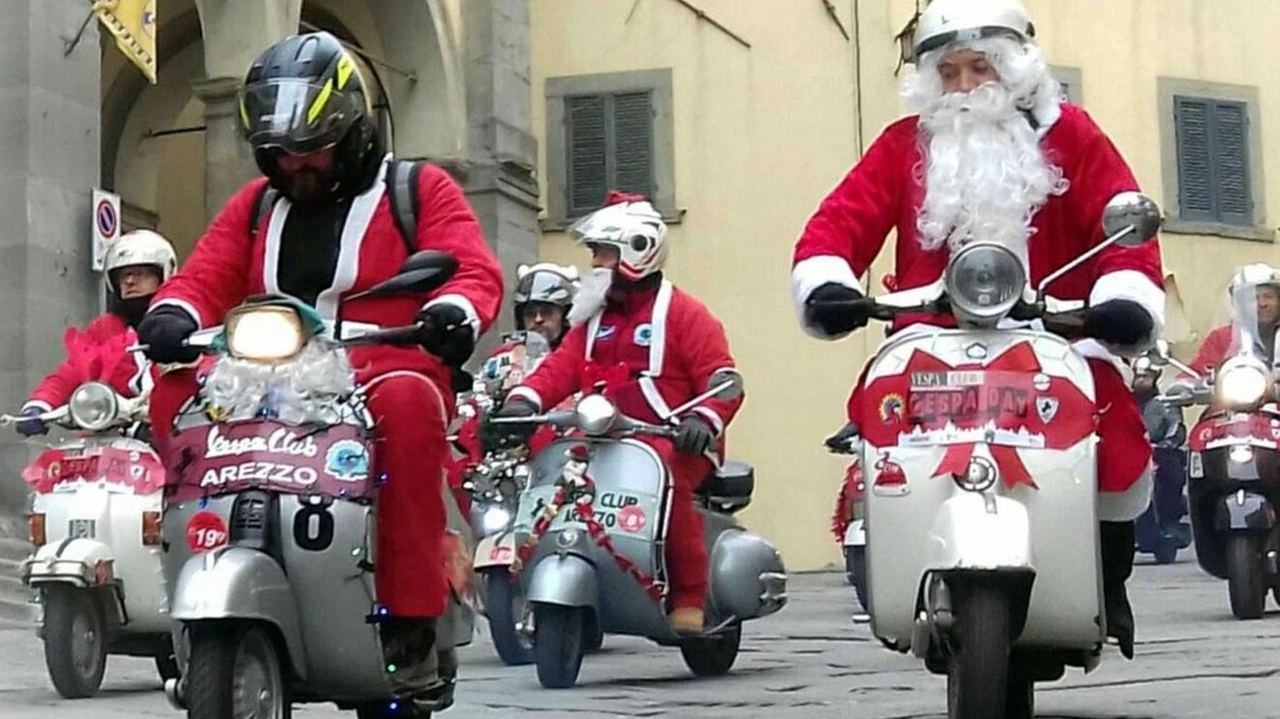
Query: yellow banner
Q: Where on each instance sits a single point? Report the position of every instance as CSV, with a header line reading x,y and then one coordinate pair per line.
x,y
133,22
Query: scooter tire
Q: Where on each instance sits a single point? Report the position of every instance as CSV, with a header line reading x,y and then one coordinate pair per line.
x,y
1167,552
712,656
73,616
1021,698
501,597
216,652
1245,585
978,668
855,565
167,667
559,643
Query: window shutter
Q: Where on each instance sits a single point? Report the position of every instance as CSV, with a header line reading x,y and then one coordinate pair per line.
x,y
633,142
1195,159
1231,163
587,143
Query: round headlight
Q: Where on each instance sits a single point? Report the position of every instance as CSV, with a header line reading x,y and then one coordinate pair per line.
x,y
984,281
1243,382
94,406
595,414
265,334
980,476
496,519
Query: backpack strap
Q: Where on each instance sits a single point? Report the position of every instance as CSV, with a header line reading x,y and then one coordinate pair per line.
x,y
266,200
402,190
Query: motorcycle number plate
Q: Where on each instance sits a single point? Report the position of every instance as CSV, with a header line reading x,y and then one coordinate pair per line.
x,y
1195,465
82,529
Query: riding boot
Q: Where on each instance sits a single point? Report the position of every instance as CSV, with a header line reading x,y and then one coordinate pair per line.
x,y
408,647
1117,566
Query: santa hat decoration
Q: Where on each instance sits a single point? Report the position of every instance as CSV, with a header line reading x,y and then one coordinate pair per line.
x,y
617,197
578,452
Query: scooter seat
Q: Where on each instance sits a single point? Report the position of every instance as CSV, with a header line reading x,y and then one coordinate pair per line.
x,y
730,487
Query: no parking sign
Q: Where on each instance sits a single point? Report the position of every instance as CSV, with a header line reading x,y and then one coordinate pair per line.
x,y
106,225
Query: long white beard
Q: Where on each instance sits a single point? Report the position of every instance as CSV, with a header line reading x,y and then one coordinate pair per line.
x,y
593,291
985,174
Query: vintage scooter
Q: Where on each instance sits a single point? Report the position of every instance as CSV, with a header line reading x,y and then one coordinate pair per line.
x,y
95,523
588,537
270,528
848,522
982,479
1233,465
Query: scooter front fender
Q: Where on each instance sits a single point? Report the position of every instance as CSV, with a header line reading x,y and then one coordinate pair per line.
x,y
496,550
79,562
240,583
980,532
565,579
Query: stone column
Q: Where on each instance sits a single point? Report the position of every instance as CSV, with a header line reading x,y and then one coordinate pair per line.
x,y
502,152
235,32
49,163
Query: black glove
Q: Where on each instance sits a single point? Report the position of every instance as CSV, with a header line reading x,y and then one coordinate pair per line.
x,y
32,427
694,436
446,334
835,320
839,442
518,431
1118,322
163,330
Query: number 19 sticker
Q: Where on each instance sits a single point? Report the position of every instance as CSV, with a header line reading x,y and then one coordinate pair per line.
x,y
206,532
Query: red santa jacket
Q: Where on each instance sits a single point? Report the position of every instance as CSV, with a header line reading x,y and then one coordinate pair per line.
x,y
670,344
98,353
231,263
1213,350
885,190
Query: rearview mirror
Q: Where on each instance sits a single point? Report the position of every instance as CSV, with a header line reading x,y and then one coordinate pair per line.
x,y
1131,209
422,272
726,383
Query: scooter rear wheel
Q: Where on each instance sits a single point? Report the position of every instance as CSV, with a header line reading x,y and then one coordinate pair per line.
x,y
235,671
712,656
1244,577
978,671
558,643
75,641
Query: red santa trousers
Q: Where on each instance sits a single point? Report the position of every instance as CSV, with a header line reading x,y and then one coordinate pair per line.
x,y
686,550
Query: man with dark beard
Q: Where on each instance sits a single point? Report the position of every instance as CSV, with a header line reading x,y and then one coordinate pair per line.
x,y
136,265
994,154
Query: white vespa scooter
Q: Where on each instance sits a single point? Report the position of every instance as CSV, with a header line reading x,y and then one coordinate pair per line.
x,y
95,522
987,453
270,524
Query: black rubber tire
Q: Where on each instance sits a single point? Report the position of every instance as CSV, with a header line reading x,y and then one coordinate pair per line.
x,y
712,657
978,671
72,616
1245,582
215,652
855,566
167,667
1021,701
501,596
1166,552
559,643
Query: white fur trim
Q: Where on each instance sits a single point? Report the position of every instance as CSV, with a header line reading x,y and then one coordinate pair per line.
x,y
712,418
462,303
1128,505
1136,287
526,393
658,324
42,406
593,326
810,274
655,399
187,307
271,253
1047,111
1093,349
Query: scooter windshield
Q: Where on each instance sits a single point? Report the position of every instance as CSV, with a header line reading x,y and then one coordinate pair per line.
x,y
1255,312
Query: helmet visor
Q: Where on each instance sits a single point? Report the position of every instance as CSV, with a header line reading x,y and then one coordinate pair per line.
x,y
295,115
546,287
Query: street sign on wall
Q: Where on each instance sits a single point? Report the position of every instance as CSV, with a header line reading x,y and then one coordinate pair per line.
x,y
106,225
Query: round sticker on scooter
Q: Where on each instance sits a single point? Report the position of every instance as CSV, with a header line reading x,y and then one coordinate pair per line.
x,y
631,519
206,532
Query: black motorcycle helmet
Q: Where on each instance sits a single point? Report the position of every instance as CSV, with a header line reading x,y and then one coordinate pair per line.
x,y
305,94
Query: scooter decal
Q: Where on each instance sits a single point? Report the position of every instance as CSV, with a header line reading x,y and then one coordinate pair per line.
x,y
892,406
1047,408
891,480
631,519
206,532
119,470
1225,430
347,461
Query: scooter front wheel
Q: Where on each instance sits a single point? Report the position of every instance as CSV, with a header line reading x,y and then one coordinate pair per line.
x,y
978,672
235,672
504,607
1244,577
75,641
558,643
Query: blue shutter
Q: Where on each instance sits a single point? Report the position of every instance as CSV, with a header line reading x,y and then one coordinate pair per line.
x,y
1234,197
1192,120
586,142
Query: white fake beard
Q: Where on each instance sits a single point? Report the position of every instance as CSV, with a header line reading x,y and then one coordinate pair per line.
x,y
310,388
593,291
985,174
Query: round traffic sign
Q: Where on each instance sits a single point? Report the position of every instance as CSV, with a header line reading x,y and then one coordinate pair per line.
x,y
106,218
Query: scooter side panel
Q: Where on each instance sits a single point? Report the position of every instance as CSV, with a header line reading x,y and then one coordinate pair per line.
x,y
901,514
67,561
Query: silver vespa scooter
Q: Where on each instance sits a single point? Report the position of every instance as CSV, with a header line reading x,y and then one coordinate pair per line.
x,y
569,572
270,530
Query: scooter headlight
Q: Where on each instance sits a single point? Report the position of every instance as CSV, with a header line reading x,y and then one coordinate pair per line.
x,y
94,406
1243,382
980,476
496,519
984,281
595,414
265,334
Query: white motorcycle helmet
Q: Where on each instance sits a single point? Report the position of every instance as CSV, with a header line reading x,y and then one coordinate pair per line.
x,y
947,21
546,282
140,247
630,223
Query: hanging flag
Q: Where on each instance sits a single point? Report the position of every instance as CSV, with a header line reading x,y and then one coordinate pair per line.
x,y
133,22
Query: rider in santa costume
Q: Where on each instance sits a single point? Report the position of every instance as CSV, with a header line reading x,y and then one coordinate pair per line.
x,y
661,346
331,233
993,153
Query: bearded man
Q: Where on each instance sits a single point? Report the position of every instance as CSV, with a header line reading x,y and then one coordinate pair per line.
x,y
995,154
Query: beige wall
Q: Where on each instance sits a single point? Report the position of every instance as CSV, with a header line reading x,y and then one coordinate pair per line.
x,y
761,134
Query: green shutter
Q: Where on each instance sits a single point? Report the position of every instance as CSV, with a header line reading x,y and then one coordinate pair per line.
x,y
1195,158
633,142
1231,163
587,177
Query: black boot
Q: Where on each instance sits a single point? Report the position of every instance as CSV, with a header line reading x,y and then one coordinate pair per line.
x,y
408,647
1117,565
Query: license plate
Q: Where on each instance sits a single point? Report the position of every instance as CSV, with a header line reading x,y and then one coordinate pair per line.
x,y
82,529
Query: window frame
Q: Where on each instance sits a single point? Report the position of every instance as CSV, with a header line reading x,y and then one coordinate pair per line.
x,y
658,82
1074,80
1169,89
